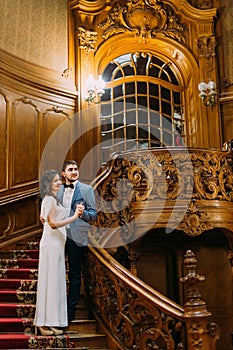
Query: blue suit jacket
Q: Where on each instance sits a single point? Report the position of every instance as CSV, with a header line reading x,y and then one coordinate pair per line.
x,y
80,227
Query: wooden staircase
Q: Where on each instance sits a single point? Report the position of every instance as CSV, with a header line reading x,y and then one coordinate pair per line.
x,y
18,281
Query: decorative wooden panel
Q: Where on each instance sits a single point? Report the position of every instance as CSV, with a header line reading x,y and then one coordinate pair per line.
x,y
57,136
25,142
4,132
33,103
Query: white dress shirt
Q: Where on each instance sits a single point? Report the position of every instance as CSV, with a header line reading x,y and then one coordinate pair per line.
x,y
67,197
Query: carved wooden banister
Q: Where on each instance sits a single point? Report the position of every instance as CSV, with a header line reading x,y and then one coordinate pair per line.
x,y
187,185
201,334
135,316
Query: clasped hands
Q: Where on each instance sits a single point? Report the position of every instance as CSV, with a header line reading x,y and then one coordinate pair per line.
x,y
79,209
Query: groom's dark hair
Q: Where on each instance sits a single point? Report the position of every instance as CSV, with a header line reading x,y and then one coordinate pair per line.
x,y
68,162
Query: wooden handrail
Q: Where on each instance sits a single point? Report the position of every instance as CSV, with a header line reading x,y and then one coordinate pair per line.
x,y
134,315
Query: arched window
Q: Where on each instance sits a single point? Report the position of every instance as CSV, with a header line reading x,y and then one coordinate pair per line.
x,y
142,106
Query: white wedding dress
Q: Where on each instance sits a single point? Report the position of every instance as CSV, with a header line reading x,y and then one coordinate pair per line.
x,y
51,303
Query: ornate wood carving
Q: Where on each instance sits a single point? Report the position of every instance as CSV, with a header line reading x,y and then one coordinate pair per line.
x,y
87,39
159,176
142,18
201,333
135,321
206,45
201,4
195,221
230,257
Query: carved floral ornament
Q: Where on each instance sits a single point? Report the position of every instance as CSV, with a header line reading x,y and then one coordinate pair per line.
x,y
195,221
206,45
87,39
153,176
138,323
159,176
143,18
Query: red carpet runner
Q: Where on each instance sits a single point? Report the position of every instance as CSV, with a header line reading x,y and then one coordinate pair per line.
x,y
18,281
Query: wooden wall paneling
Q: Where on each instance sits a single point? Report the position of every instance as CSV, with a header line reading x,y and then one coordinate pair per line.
x,y
4,134
56,137
25,215
227,119
33,102
19,220
6,220
25,142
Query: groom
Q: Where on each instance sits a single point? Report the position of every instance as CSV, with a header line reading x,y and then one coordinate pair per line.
x,y
74,193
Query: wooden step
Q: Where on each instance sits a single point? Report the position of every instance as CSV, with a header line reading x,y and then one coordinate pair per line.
x,y
81,326
88,339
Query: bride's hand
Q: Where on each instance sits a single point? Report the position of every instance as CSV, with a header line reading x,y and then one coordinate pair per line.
x,y
79,210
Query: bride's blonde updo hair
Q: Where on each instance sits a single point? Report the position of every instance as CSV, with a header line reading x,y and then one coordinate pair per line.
x,y
46,181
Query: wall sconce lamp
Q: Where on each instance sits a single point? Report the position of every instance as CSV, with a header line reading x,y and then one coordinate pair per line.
x,y
95,89
207,92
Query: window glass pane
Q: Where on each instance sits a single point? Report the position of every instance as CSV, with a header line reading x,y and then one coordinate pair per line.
x,y
154,104
141,64
131,101
107,74
142,101
131,132
117,91
119,133
143,132
106,125
153,89
128,70
167,123
118,106
165,94
167,138
154,118
166,108
165,77
172,76
106,109
129,88
176,97
107,95
118,120
131,117
155,133
154,71
143,117
141,87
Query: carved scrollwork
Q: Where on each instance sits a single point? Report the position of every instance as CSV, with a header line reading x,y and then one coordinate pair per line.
x,y
195,221
162,175
143,18
137,322
87,39
201,4
198,332
213,176
206,45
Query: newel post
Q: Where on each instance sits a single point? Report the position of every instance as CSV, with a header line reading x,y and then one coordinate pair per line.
x,y
201,334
